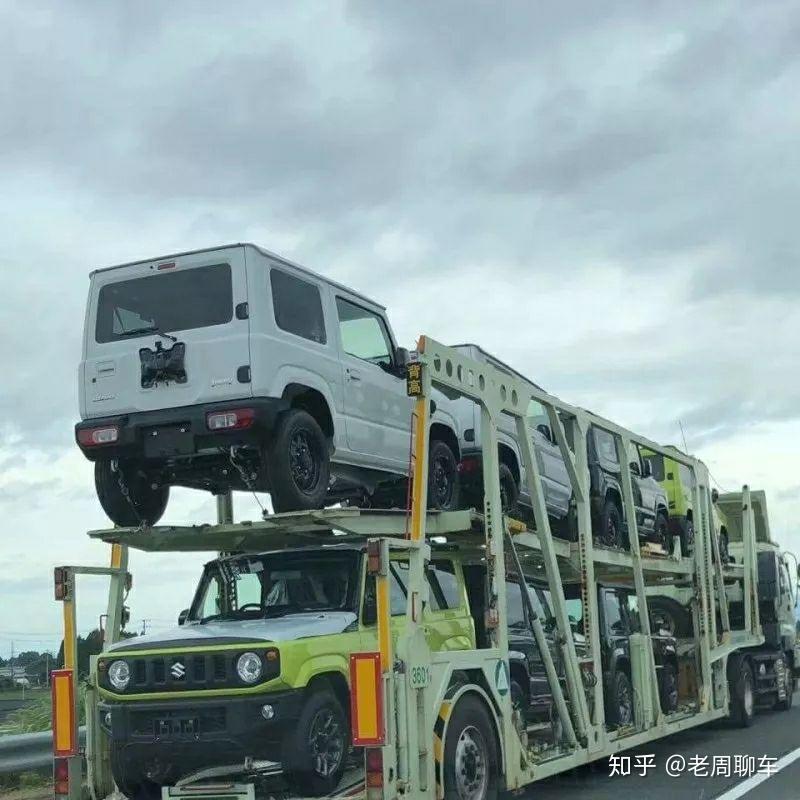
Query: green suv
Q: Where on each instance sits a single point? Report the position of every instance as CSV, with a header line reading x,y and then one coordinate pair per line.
x,y
676,480
258,666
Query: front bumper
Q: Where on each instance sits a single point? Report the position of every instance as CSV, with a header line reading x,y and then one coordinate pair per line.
x,y
163,741
180,432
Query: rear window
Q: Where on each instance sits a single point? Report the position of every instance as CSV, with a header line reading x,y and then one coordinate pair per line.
x,y
171,301
297,306
656,465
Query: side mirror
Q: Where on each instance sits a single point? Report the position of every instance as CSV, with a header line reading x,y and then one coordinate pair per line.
x,y
635,468
183,616
369,614
401,359
714,495
647,468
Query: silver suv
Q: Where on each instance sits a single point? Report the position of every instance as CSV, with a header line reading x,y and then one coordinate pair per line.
x,y
233,368
608,518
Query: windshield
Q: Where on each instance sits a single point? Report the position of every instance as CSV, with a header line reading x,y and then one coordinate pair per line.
x,y
170,301
277,584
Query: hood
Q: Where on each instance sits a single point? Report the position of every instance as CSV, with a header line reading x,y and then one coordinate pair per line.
x,y
280,629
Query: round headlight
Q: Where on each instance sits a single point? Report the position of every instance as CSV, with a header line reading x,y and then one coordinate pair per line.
x,y
249,667
119,675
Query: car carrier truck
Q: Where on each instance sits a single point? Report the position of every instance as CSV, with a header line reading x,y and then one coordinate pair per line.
x,y
426,721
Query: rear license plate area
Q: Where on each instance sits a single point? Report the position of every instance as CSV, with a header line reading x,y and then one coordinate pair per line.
x,y
168,440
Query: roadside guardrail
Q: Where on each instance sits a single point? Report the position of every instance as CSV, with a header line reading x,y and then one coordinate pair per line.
x,y
28,751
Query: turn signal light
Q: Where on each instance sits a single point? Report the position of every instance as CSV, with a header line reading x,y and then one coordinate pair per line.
x,y
235,419
60,776
95,437
373,761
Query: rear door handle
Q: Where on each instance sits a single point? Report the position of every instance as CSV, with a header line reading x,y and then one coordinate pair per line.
x,y
353,374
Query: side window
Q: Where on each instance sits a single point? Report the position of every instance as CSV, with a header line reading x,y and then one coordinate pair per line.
x,y
297,306
613,613
398,587
363,333
248,589
516,611
549,619
633,613
575,613
445,589
605,445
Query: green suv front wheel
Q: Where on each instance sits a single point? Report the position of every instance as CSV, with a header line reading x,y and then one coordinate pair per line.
x,y
316,749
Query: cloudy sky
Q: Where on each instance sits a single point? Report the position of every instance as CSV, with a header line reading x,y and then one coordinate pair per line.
x,y
605,196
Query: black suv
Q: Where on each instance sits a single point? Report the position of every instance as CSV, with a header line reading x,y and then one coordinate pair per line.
x,y
649,498
618,620
608,517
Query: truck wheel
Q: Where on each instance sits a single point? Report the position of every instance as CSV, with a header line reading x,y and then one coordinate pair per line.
x,y
298,463
724,552
742,690
143,503
621,701
785,674
668,689
443,485
509,491
611,525
470,754
315,750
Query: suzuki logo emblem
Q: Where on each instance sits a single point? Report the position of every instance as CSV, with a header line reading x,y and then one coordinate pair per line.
x,y
177,670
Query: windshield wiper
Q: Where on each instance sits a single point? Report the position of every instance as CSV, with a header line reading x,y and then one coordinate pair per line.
x,y
149,329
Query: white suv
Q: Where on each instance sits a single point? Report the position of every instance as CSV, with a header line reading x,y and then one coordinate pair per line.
x,y
232,368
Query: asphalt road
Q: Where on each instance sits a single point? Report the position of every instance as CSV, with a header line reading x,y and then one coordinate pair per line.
x,y
773,734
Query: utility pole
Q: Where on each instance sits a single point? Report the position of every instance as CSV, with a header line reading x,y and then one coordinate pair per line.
x,y
145,623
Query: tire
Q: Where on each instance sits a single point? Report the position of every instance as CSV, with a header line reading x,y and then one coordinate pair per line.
x,y
661,531
134,787
143,505
509,491
724,552
321,728
786,703
672,616
610,532
443,480
741,685
298,463
687,539
668,689
470,753
519,700
620,701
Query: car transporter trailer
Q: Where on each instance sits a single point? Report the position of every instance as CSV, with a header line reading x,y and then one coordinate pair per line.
x,y
442,724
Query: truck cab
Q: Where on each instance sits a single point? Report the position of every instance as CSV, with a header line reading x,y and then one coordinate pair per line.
x,y
259,666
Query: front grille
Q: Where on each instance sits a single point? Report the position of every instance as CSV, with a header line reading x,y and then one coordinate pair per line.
x,y
180,672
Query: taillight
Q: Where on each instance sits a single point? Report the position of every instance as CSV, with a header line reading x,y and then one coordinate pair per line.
x,y
468,466
96,437
60,776
373,761
235,419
